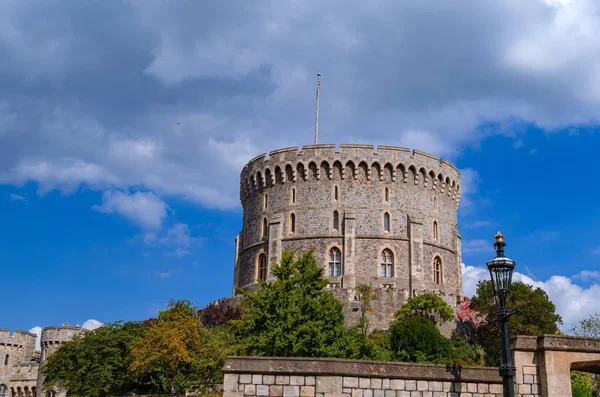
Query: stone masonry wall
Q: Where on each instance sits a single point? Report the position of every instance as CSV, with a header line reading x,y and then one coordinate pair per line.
x,y
298,377
415,189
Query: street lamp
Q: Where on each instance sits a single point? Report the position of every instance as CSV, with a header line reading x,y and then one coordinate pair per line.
x,y
501,270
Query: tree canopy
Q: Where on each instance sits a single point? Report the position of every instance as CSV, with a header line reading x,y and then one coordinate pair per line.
x,y
428,305
537,317
292,316
95,363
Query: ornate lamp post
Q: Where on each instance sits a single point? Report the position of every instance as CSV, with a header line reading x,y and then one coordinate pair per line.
x,y
501,270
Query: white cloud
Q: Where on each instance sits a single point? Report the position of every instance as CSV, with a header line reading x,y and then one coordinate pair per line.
x,y
38,331
572,301
476,246
587,275
92,324
143,208
17,197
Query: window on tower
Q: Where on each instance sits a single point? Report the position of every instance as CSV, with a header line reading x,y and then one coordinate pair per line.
x,y
386,222
336,220
387,263
335,262
292,223
262,267
437,270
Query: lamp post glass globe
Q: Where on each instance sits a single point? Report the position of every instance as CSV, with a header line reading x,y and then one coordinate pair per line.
x,y
501,270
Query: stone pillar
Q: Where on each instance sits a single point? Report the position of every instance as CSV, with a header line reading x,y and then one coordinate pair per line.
x,y
275,236
236,269
458,244
415,254
555,374
349,254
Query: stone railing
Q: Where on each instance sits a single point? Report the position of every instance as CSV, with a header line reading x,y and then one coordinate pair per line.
x,y
303,377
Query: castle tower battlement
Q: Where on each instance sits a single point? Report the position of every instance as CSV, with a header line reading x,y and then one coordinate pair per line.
x,y
385,217
19,345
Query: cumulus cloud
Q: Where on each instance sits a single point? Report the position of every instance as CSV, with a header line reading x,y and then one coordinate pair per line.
x,y
38,331
143,208
92,324
176,97
17,197
572,301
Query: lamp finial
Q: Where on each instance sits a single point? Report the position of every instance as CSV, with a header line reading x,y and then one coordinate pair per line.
x,y
499,244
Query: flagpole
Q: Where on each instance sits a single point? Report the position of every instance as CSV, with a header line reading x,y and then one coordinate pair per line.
x,y
317,112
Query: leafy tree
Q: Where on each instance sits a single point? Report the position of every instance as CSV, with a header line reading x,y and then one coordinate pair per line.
x,y
221,312
589,327
538,315
417,339
292,316
427,305
177,352
95,363
581,384
366,296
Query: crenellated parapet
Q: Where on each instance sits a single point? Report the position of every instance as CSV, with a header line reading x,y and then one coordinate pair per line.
x,y
349,162
17,338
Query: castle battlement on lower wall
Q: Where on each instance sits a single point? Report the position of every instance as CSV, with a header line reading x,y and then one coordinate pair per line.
x,y
16,338
295,164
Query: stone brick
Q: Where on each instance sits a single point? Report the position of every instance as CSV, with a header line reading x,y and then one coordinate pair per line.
x,y
525,389
390,393
249,390
230,382
440,394
427,394
241,387
262,390
472,387
310,380
257,379
385,384
232,394
422,385
403,393
268,379
297,380
357,392
482,388
276,391
368,393
245,378
529,369
436,386
282,380
447,386
496,388
307,391
364,383
410,385
535,389
376,383
378,393
329,384
291,391
350,381
528,379
397,384
416,394
346,390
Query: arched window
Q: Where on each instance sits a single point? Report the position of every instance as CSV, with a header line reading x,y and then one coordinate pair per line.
x,y
387,195
335,262
292,223
293,196
386,222
264,228
266,200
336,220
262,267
335,193
2,391
436,232
6,359
434,203
387,263
437,270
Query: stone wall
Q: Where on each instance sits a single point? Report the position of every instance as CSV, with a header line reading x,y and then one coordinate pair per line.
x,y
299,377
361,184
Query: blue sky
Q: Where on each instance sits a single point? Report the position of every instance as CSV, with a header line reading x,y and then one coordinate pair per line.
x,y
124,126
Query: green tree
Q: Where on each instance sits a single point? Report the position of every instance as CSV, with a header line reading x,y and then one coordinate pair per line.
x,y
417,339
581,384
292,316
366,296
177,352
588,327
427,305
95,363
538,315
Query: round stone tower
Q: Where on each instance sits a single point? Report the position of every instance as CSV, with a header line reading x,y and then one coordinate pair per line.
x,y
385,217
52,338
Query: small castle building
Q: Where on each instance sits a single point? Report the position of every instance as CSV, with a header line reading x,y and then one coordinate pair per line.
x,y
20,365
386,217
